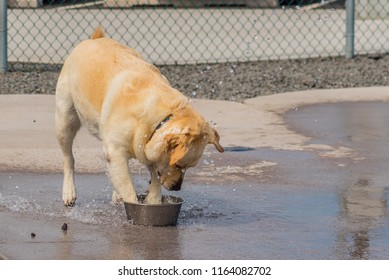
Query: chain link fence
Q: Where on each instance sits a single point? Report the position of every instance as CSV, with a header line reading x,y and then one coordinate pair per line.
x,y
192,32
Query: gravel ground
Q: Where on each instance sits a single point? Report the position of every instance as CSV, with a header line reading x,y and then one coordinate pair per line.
x,y
233,81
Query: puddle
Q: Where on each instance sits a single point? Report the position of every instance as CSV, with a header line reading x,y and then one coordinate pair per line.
x,y
255,222
238,149
360,182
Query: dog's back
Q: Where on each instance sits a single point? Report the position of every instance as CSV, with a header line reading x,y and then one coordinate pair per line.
x,y
98,72
89,70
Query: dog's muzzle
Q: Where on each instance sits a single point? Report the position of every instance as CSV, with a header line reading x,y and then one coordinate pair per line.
x,y
176,186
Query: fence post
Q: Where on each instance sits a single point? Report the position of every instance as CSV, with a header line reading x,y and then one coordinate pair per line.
x,y
350,24
3,36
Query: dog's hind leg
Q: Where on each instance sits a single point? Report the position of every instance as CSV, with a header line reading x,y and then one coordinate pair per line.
x,y
67,123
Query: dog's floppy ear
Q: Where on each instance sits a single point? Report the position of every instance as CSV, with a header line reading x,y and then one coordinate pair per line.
x,y
176,147
214,139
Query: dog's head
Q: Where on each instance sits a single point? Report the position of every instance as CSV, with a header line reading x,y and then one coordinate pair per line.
x,y
178,145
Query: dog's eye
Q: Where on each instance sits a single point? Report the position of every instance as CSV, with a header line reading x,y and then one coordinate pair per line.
x,y
183,169
178,166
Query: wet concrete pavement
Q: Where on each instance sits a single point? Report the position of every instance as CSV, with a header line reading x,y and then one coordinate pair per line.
x,y
258,203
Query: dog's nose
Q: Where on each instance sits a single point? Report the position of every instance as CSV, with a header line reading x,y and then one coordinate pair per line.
x,y
177,185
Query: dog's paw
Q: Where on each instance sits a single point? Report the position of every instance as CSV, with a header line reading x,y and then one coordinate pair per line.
x,y
69,195
69,200
153,199
116,198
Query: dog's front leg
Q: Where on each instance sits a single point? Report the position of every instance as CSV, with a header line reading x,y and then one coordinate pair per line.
x,y
154,195
117,162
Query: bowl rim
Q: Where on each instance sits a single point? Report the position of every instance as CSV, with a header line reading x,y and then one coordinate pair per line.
x,y
143,196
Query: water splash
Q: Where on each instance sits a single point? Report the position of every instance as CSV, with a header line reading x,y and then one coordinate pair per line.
x,y
92,212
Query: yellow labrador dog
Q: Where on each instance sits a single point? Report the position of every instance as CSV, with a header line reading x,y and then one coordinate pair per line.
x,y
129,105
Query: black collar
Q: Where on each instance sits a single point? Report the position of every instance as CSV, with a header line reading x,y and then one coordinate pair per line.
x,y
160,125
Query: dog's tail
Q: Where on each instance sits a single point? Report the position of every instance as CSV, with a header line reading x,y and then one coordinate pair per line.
x,y
99,33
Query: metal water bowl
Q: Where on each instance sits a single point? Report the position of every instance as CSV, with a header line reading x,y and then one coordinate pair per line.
x,y
164,214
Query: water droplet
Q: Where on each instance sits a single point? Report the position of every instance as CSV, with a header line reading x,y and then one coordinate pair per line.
x,y
256,37
220,83
231,70
194,93
248,53
16,187
183,170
